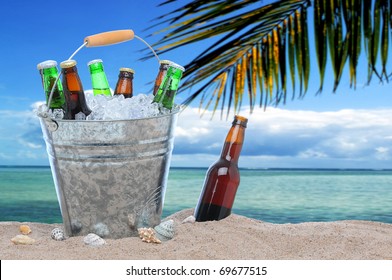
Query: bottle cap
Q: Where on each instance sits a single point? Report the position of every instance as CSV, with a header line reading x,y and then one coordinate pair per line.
x,y
125,69
94,61
46,64
240,120
165,61
68,63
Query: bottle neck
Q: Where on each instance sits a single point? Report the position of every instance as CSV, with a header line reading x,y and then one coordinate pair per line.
x,y
125,74
49,76
99,81
233,144
50,72
98,76
71,79
124,86
96,68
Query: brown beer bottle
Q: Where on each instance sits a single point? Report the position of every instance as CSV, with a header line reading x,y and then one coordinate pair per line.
x,y
76,105
124,84
163,66
223,177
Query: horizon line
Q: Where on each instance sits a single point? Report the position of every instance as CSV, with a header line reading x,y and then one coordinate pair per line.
x,y
241,168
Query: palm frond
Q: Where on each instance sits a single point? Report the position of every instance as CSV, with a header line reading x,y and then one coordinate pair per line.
x,y
256,48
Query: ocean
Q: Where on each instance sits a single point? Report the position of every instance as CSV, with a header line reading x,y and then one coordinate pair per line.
x,y
271,195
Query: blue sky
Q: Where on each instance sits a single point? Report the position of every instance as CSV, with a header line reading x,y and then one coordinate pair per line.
x,y
348,129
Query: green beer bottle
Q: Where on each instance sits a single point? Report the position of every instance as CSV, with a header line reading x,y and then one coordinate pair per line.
x,y
98,78
169,86
49,74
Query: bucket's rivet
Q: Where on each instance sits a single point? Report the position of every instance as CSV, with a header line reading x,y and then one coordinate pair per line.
x,y
52,125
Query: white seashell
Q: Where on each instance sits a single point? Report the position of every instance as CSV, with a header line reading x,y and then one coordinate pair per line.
x,y
165,230
191,220
148,235
22,240
94,240
58,234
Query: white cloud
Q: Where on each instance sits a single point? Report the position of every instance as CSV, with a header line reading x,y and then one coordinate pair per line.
x,y
28,144
383,153
279,136
5,157
21,138
274,138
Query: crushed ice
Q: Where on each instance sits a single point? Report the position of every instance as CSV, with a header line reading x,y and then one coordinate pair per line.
x,y
117,107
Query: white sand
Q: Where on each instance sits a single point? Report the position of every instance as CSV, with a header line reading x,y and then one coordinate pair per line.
x,y
235,237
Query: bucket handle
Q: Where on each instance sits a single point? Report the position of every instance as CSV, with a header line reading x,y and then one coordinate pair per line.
x,y
109,38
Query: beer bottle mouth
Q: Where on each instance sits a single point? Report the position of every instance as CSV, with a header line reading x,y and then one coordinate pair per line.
x,y
165,61
125,69
94,61
46,64
68,63
240,121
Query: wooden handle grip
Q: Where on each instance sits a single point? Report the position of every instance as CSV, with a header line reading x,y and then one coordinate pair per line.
x,y
109,38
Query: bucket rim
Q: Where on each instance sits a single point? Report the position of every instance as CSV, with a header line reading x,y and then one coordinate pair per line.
x,y
175,111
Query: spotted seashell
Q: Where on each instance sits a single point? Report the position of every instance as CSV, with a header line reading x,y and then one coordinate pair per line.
x,y
165,230
58,234
25,229
22,240
191,220
148,235
93,240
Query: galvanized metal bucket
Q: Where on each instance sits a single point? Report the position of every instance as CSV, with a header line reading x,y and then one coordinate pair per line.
x,y
110,176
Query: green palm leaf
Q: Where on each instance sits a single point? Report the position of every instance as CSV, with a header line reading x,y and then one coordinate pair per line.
x,y
256,48
320,35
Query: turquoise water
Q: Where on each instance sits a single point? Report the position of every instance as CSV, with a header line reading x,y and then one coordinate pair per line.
x,y
277,196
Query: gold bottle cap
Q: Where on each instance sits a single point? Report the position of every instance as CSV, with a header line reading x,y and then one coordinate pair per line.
x,y
68,63
94,61
46,64
125,69
240,120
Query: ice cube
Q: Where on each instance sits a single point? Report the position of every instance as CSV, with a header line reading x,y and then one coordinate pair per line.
x,y
80,116
117,107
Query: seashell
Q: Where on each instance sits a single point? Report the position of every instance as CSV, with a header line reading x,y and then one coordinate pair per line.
x,y
93,240
148,235
132,221
58,234
191,220
101,230
76,226
165,230
25,229
22,240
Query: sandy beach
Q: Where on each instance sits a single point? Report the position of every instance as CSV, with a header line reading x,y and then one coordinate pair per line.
x,y
235,237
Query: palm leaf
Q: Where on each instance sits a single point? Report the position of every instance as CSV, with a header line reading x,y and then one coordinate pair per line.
x,y
385,38
305,49
255,48
282,59
291,53
320,35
